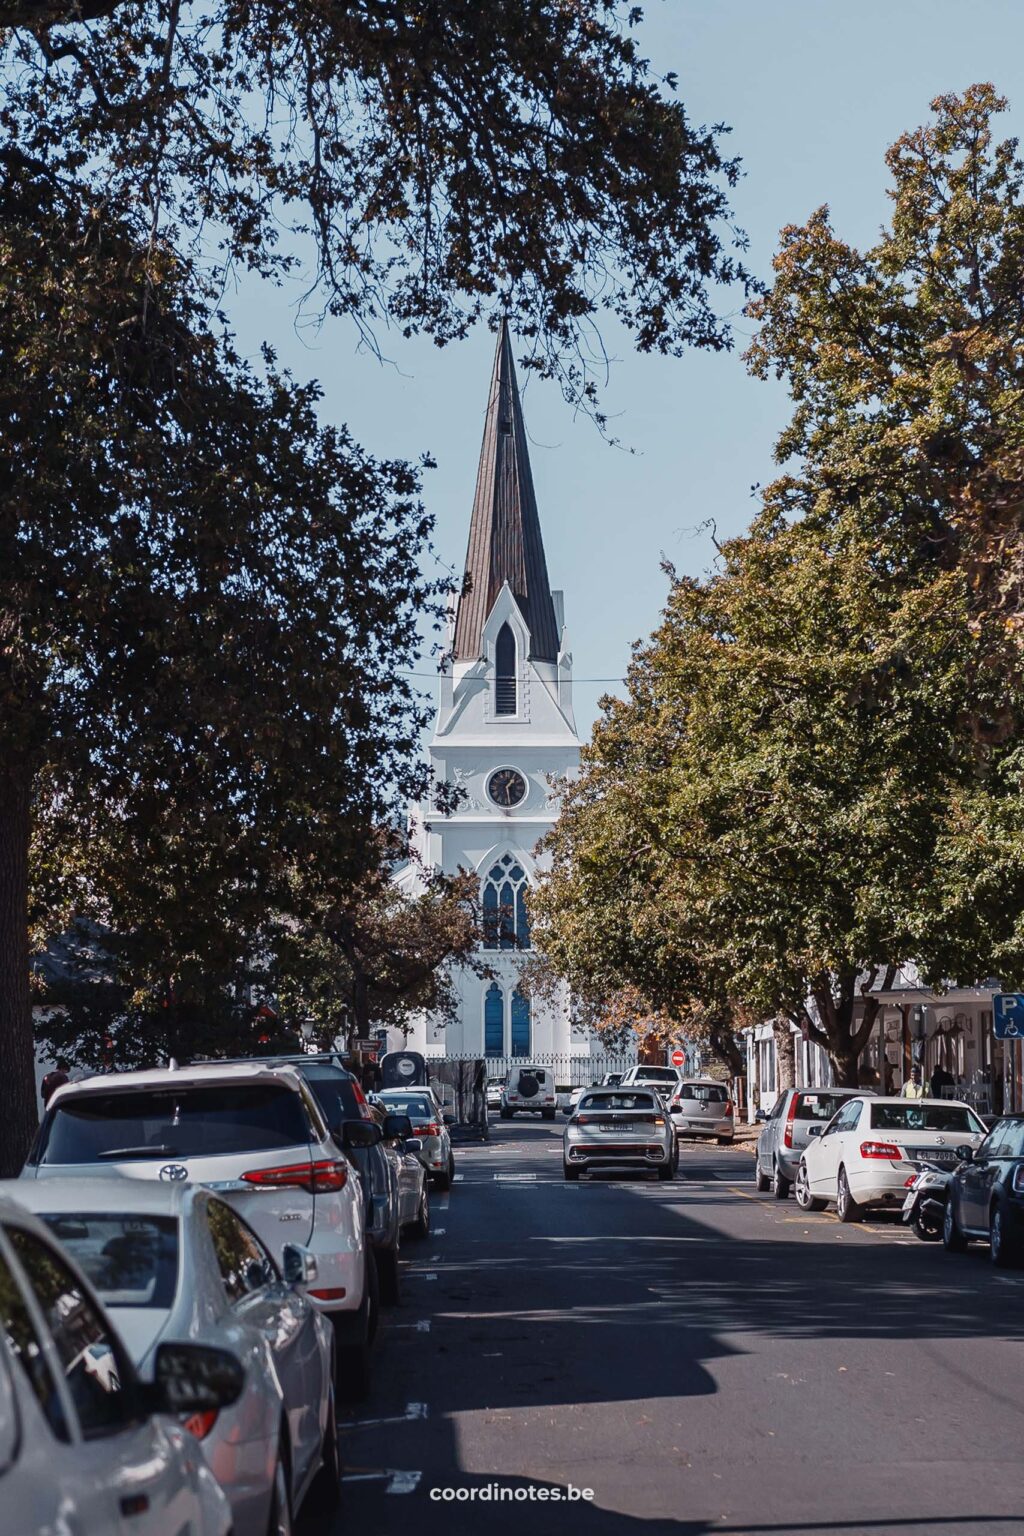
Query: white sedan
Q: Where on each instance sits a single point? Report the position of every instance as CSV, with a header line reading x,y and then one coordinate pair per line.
x,y
865,1156
84,1446
174,1261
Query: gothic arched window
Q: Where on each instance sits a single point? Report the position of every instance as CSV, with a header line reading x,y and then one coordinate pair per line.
x,y
506,925
494,1021
521,1043
505,689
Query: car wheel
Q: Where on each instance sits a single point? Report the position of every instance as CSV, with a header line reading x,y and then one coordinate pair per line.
x,y
354,1335
1001,1250
388,1274
443,1181
847,1208
421,1226
953,1239
280,1522
804,1199
570,1174
762,1183
666,1172
781,1186
324,1494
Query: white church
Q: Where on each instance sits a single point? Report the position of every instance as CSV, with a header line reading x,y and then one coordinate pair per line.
x,y
504,726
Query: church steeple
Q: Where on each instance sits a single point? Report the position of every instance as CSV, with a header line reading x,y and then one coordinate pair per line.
x,y
505,543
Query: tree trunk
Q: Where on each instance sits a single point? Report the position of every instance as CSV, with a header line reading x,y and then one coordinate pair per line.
x,y
17,1049
844,1057
785,1051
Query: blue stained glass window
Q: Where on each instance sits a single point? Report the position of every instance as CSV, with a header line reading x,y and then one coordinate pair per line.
x,y
520,1024
494,1021
505,924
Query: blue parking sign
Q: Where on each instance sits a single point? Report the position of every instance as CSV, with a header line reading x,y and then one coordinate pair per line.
x,y
1008,1016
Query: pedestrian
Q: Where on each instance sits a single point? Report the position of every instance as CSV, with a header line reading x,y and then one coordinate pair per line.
x,y
941,1079
55,1079
914,1089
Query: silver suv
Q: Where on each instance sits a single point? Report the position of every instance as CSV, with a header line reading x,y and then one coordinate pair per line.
x,y
256,1134
787,1130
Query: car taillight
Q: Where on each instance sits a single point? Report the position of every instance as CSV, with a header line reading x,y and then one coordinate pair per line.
x,y
728,1107
360,1098
881,1149
323,1177
1018,1179
584,1119
200,1424
659,1120
430,1129
787,1135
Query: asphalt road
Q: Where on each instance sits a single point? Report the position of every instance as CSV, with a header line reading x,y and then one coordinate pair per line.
x,y
703,1358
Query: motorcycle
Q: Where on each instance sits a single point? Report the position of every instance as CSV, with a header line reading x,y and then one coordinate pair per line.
x,y
924,1208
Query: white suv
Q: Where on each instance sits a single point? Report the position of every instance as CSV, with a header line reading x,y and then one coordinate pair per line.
x,y
531,1090
254,1132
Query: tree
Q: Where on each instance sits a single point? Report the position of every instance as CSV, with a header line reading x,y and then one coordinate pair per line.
x,y
818,772
205,597
431,158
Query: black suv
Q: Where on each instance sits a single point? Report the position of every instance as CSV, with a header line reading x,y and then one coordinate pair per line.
x,y
986,1194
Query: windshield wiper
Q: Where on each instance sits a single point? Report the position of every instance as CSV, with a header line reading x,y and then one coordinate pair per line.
x,y
137,1152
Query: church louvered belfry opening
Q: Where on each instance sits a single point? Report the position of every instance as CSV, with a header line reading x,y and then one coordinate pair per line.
x,y
505,691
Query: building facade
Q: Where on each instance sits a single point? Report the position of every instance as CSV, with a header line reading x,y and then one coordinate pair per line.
x,y
504,734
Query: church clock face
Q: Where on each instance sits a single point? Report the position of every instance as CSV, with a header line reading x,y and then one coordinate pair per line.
x,y
506,787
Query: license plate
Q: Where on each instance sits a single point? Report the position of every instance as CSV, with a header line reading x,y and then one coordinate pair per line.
x,y
616,1125
909,1201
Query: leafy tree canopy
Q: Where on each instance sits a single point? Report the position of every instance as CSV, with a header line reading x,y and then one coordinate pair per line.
x,y
818,772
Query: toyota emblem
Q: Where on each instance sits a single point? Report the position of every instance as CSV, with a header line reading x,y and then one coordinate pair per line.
x,y
173,1173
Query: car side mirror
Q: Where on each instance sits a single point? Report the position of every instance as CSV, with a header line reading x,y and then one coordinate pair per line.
x,y
760,1117
965,1154
414,1144
449,1119
298,1265
816,1130
194,1378
396,1127
358,1133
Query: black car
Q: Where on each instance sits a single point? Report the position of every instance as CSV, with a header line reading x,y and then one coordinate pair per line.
x,y
344,1107
986,1194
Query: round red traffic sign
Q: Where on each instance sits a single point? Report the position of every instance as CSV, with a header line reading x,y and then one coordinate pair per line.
x,y
678,1058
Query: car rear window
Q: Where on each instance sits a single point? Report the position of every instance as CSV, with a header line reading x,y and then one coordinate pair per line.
x,y
337,1095
659,1075
415,1107
819,1106
147,1123
132,1261
705,1093
917,1116
623,1099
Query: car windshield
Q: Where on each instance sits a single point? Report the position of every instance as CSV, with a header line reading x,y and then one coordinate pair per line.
x,y
138,1124
415,1106
817,1106
916,1115
623,1099
704,1093
132,1261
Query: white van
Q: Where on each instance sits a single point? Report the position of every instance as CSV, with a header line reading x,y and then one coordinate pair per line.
x,y
529,1089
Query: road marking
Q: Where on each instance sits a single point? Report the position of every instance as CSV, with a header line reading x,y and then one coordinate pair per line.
x,y
423,1326
457,1178
515,1178
438,1231
434,1258
398,1482
412,1412
431,1276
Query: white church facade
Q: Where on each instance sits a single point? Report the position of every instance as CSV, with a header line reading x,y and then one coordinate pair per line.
x,y
504,731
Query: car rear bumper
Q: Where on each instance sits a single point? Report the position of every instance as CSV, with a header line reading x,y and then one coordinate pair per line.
x,y
688,1126
633,1154
885,1185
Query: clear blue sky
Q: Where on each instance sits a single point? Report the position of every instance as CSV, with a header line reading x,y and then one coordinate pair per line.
x,y
814,91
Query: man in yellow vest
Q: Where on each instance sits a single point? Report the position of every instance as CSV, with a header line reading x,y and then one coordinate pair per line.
x,y
914,1088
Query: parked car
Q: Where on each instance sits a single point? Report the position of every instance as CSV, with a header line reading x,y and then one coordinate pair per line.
x,y
173,1261
569,1101
494,1091
85,1445
701,1106
611,1080
387,1173
787,1131
665,1079
986,1194
529,1090
255,1131
616,1128
864,1156
429,1128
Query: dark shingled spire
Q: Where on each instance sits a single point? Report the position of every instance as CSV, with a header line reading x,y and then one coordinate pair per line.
x,y
504,532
